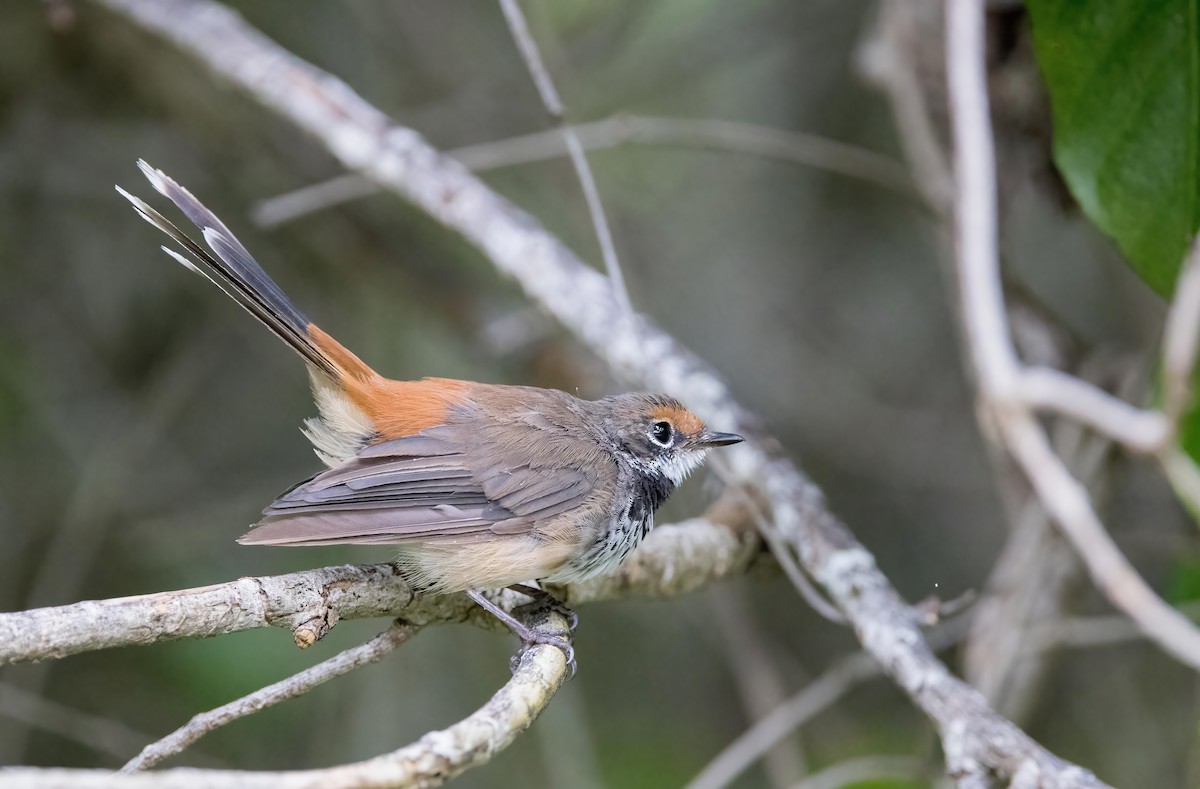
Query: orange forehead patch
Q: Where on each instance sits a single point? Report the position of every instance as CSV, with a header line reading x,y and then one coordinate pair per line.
x,y
683,419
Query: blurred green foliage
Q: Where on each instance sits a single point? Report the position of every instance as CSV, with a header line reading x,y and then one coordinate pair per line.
x,y
1185,583
1124,84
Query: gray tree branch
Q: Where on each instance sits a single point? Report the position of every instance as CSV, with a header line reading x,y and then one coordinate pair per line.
x,y
674,559
436,757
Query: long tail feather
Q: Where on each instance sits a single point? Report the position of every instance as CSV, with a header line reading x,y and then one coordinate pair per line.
x,y
233,269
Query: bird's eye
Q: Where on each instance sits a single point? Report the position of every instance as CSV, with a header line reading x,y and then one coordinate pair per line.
x,y
662,433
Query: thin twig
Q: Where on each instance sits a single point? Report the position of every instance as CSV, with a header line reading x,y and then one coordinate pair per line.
x,y
997,370
306,200
1045,388
1030,581
1181,339
764,734
799,148
866,768
752,663
554,106
1184,476
295,685
1086,632
981,293
885,59
783,554
100,734
778,546
1070,504
817,696
435,758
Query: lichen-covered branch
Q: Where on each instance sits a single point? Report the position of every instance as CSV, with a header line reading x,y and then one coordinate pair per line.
x,y
435,758
673,559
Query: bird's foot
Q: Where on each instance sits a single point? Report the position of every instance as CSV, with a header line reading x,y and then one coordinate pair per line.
x,y
535,639
530,637
544,599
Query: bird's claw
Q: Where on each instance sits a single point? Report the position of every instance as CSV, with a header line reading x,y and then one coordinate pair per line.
x,y
546,600
538,639
530,637
553,604
566,613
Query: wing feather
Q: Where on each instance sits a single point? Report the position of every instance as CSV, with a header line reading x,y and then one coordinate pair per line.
x,y
421,488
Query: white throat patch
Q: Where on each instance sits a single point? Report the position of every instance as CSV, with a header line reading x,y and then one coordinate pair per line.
x,y
681,464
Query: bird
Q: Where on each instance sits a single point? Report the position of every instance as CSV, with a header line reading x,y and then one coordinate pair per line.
x,y
476,486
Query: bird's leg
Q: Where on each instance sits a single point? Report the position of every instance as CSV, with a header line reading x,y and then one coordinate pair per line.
x,y
529,637
542,597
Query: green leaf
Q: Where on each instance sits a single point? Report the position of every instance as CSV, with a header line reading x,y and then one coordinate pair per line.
x,y
1124,82
1185,580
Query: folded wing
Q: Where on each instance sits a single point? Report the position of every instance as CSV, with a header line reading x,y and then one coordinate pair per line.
x,y
426,487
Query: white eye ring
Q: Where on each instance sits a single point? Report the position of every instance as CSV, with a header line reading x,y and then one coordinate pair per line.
x,y
662,433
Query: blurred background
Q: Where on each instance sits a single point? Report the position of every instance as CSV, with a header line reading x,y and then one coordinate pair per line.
x,y
145,421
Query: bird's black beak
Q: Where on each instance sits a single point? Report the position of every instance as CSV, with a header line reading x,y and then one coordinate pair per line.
x,y
711,439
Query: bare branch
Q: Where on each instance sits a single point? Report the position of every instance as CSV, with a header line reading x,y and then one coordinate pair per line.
x,y
1184,476
780,549
307,603
435,758
806,150
885,59
981,294
295,685
102,735
309,199
1030,583
1045,388
824,691
553,104
1181,338
866,768
751,660
1085,632
672,560
752,744
997,369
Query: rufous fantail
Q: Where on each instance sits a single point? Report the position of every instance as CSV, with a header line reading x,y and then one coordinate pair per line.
x,y
478,485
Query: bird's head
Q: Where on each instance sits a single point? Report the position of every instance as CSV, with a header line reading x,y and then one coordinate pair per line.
x,y
659,436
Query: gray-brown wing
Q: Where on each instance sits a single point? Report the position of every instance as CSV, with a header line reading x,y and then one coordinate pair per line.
x,y
427,487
